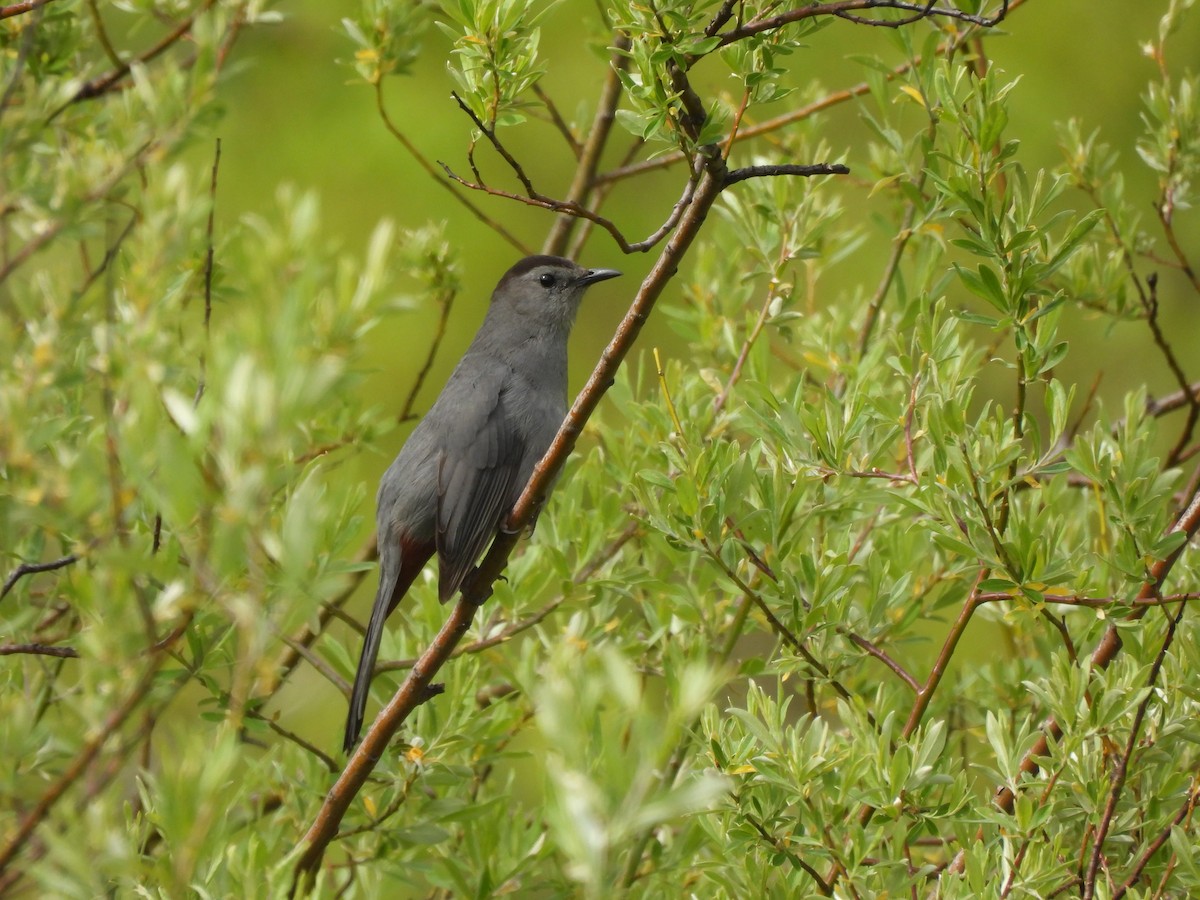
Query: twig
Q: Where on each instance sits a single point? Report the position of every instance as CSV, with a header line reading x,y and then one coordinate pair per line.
x,y
805,171
319,664
305,636
208,272
325,759
1185,812
755,330
424,163
33,569
38,650
102,34
844,9
416,689
115,719
445,300
50,232
582,212
18,9
558,121
780,846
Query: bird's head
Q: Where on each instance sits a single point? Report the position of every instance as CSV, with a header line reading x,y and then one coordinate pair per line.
x,y
545,289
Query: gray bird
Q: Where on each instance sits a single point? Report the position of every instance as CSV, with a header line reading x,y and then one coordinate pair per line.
x,y
462,469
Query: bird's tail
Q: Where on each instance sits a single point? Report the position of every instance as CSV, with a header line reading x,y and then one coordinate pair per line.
x,y
400,564
366,668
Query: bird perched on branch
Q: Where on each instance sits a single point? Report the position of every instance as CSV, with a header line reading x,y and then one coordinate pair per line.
x,y
464,466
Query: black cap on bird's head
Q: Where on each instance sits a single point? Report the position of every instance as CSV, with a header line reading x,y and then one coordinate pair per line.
x,y
547,286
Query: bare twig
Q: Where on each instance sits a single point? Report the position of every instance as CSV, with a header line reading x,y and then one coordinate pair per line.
x,y
445,301
432,172
20,836
33,569
38,650
51,231
804,171
845,9
582,212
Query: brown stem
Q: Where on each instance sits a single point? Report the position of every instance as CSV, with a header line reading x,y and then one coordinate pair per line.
x,y
34,568
18,9
589,157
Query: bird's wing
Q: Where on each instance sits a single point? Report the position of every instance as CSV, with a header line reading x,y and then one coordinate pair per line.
x,y
477,472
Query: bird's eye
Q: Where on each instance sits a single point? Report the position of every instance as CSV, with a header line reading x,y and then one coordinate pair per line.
x,y
546,280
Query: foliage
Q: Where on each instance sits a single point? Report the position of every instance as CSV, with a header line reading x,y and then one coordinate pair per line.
x,y
880,587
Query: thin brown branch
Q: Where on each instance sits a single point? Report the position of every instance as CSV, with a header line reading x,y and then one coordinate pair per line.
x,y
780,846
1185,265
846,8
307,635
497,145
755,330
1184,814
432,172
1095,602
319,664
802,171
37,814
582,212
417,688
445,301
1150,303
871,650
33,569
38,650
102,34
589,155
51,231
889,273
19,9
209,256
557,120
325,759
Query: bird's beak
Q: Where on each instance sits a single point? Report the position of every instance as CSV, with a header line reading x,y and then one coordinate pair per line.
x,y
594,275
